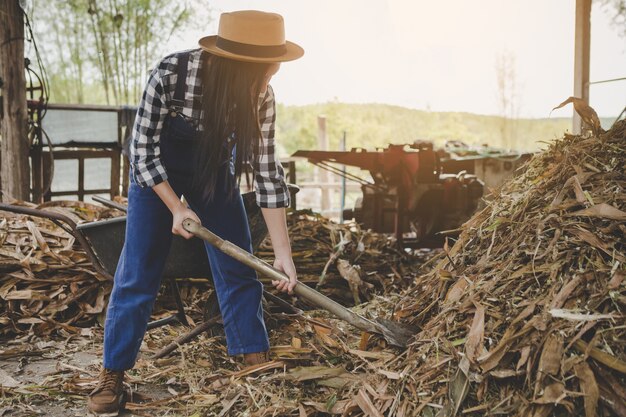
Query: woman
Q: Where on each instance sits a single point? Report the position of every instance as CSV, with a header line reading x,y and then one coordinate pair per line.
x,y
204,114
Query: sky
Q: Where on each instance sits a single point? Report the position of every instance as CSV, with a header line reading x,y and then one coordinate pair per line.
x,y
437,55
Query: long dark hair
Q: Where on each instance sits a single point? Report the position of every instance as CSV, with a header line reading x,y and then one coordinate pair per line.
x,y
230,99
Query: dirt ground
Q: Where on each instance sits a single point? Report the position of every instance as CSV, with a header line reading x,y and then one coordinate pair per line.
x,y
47,367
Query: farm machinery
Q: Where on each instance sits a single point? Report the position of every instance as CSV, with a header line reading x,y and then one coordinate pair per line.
x,y
409,195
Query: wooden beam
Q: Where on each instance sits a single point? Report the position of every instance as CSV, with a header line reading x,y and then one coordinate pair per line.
x,y
582,49
14,173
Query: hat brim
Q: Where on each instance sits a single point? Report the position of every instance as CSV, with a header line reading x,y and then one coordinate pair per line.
x,y
292,52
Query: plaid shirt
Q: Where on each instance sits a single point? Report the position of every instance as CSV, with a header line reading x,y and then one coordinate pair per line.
x,y
146,167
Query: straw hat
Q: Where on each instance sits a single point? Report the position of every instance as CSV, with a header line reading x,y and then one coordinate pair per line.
x,y
251,35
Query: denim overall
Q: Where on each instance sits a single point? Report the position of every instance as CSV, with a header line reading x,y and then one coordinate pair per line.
x,y
148,239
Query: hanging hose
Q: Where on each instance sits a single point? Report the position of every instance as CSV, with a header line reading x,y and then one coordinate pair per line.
x,y
36,116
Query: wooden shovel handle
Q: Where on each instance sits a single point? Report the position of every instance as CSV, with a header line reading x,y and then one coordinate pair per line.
x,y
266,269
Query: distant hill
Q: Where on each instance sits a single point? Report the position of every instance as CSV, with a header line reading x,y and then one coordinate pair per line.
x,y
372,125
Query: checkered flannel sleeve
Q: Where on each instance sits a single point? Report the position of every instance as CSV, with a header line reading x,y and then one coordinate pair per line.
x,y
269,175
148,170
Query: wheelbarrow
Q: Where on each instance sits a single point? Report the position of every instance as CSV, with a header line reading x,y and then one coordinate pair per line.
x,y
103,240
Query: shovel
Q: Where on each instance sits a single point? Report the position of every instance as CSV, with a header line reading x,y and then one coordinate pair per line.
x,y
395,333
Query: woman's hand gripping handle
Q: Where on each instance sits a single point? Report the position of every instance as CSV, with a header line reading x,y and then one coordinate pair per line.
x,y
179,210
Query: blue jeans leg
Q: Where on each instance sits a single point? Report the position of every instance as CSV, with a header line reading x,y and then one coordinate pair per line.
x,y
238,289
137,277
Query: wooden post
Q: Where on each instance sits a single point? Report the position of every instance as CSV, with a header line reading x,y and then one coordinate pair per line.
x,y
36,164
582,40
324,178
81,178
14,174
115,172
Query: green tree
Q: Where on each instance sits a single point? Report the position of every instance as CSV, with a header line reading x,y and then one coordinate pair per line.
x,y
111,43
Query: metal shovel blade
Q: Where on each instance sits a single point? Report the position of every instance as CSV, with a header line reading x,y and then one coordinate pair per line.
x,y
395,333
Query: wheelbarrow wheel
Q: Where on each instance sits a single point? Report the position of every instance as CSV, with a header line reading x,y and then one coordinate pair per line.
x,y
212,309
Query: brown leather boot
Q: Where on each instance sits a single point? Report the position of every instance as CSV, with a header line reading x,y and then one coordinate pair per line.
x,y
256,358
109,397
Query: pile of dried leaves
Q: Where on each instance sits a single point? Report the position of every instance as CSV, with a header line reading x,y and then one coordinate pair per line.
x,y
46,281
525,313
343,261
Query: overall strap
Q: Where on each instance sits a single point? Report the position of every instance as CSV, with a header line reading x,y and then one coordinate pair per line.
x,y
178,102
